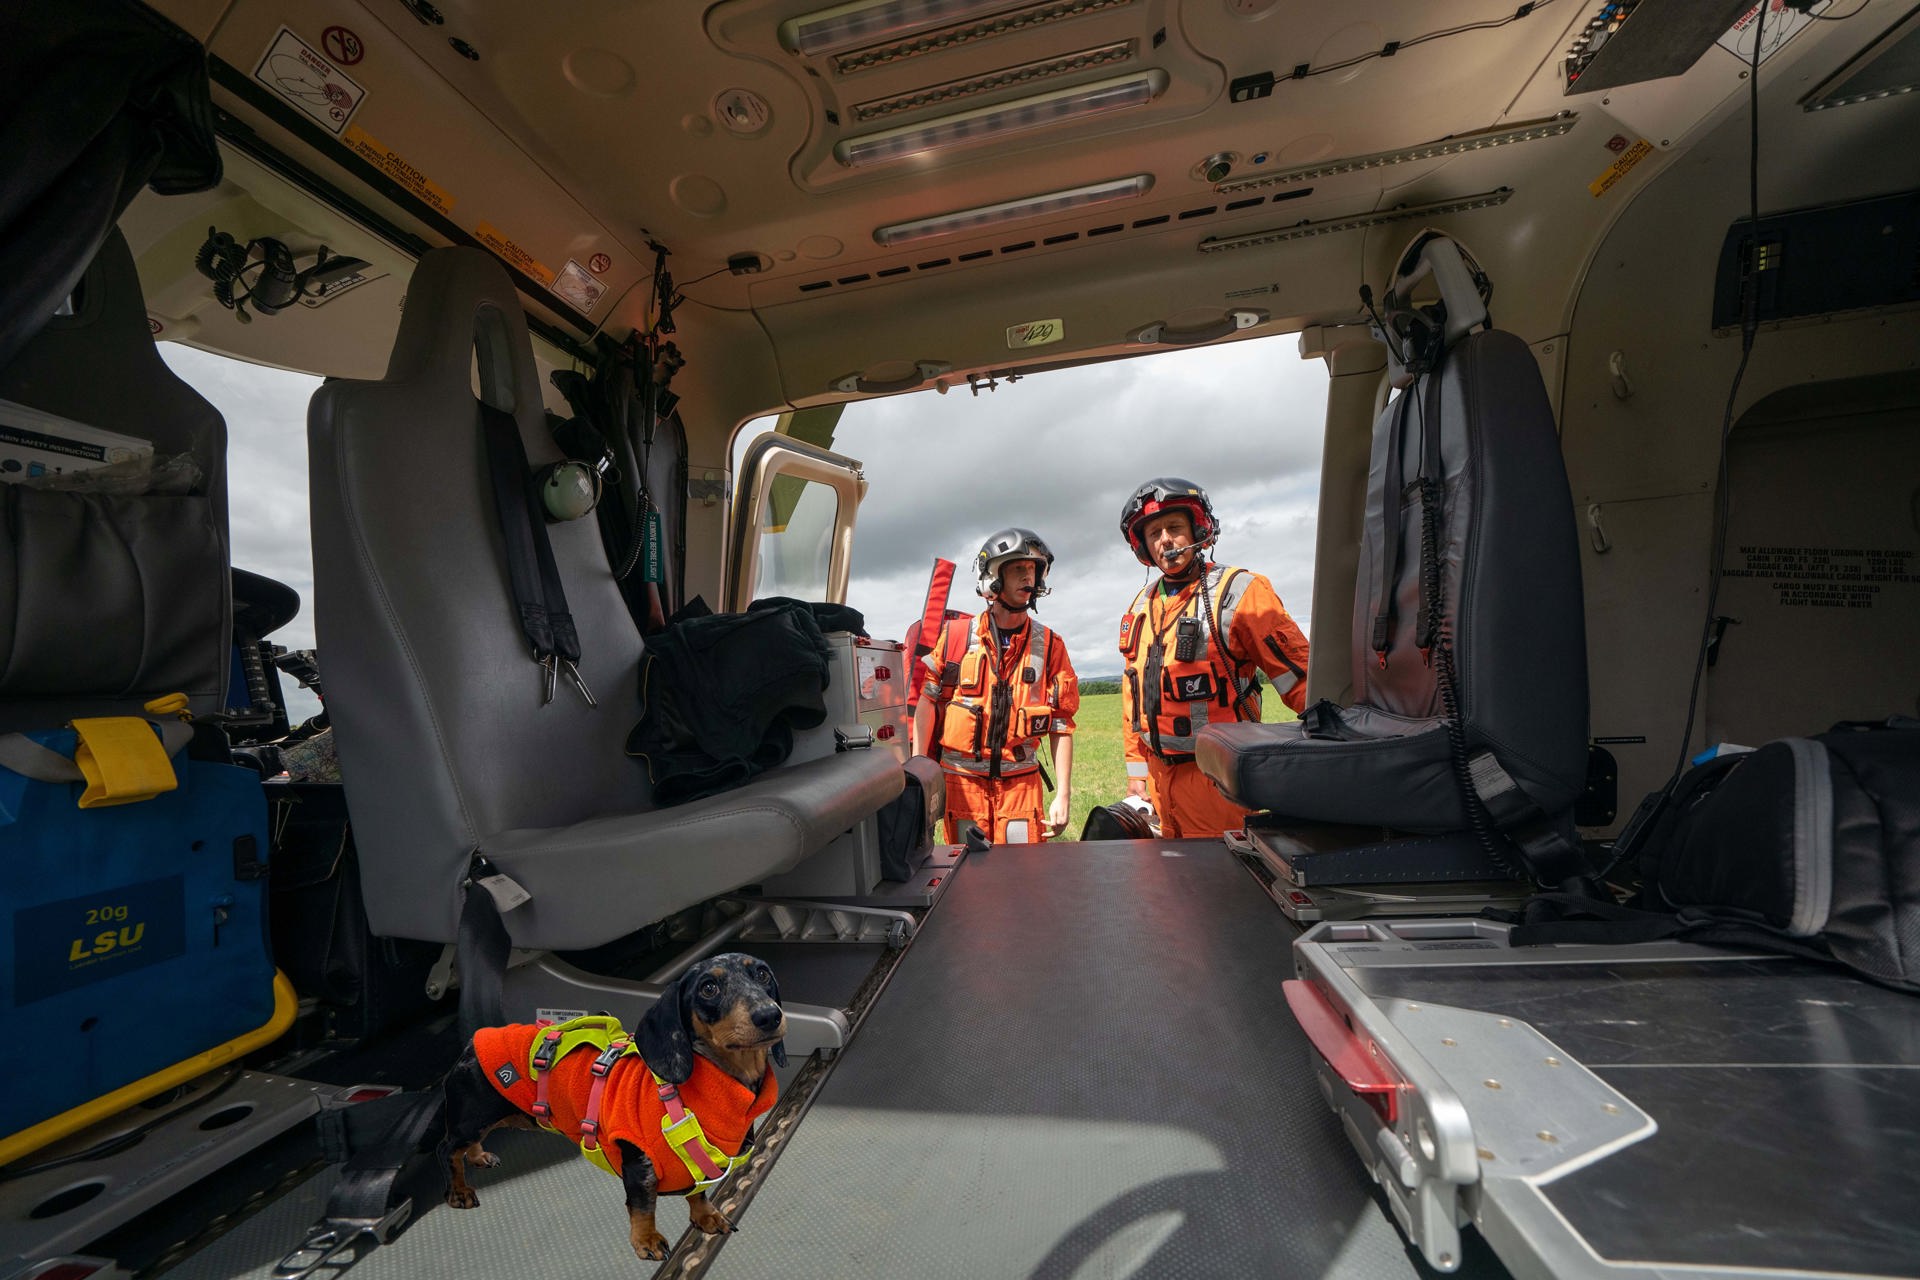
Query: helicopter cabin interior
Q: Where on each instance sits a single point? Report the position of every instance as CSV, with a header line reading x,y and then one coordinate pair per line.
x,y
1619,306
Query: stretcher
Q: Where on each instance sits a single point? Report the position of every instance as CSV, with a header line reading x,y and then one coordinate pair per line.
x,y
1660,1110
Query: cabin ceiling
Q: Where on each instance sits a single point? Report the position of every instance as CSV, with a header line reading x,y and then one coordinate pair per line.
x,y
767,168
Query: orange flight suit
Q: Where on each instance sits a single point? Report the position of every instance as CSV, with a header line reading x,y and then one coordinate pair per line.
x,y
1043,696
1166,699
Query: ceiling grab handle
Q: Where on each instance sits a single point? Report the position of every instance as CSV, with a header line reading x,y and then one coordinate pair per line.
x,y
924,371
1158,334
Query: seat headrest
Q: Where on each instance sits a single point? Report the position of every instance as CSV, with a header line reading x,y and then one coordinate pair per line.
x,y
462,306
1417,334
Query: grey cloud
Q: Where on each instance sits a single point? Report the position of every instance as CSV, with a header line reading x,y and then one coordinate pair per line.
x,y
1059,453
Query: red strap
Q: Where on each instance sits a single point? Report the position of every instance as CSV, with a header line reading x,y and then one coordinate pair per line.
x,y
542,1109
670,1099
694,1152
602,1072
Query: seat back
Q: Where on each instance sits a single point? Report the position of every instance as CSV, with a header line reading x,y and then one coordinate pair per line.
x,y
113,598
1508,560
436,702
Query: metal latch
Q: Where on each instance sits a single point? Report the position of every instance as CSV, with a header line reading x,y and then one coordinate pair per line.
x,y
334,1244
852,737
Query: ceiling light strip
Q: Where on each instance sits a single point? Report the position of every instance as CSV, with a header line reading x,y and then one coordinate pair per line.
x,y
1023,209
1355,222
987,29
1458,144
1003,120
1007,78
865,22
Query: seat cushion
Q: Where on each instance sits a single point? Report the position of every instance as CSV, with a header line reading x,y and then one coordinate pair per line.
x,y
1402,779
645,866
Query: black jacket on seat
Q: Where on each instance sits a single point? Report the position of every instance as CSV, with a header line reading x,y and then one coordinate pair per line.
x,y
721,695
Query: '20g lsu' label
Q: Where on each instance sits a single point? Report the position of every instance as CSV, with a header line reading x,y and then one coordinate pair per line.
x,y
58,946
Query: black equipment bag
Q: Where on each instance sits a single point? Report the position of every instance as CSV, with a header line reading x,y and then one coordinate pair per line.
x,y
1809,846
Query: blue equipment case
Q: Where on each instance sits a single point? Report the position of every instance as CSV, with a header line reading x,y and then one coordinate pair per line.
x,y
136,934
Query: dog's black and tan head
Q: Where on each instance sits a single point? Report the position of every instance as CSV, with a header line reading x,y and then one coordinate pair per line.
x,y
726,1008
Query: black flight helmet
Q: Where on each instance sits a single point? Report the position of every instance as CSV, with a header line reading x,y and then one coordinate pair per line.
x,y
1155,497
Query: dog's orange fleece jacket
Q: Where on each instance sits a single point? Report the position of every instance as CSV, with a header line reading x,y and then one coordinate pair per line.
x,y
630,1107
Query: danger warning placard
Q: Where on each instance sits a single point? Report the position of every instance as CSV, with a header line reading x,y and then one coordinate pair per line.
x,y
312,82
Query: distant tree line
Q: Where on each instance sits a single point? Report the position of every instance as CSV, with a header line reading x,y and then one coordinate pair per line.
x,y
1099,686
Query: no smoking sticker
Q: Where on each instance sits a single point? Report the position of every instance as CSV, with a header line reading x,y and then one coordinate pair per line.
x,y
312,82
599,264
342,46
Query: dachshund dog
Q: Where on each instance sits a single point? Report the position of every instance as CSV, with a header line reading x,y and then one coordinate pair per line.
x,y
711,1035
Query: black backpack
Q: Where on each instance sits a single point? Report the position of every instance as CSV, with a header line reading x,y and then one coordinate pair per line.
x,y
1809,846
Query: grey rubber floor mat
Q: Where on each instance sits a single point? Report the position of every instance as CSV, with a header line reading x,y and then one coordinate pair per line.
x,y
1084,1067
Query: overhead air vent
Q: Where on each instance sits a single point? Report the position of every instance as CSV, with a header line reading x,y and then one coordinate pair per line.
x,y
1354,222
1097,231
1452,145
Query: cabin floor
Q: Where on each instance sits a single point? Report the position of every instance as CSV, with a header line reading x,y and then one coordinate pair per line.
x,y
1082,1066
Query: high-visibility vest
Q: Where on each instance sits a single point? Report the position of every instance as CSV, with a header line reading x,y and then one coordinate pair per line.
x,y
974,730
1174,697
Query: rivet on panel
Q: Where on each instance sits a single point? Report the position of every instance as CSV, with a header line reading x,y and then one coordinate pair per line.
x,y
1491,1084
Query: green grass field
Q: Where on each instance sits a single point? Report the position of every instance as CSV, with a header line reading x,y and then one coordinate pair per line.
x,y
1099,758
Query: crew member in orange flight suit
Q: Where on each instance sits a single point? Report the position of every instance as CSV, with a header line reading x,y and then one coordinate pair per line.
x,y
994,686
1192,642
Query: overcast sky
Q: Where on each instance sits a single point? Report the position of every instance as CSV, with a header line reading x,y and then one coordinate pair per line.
x,y
1060,452
1057,452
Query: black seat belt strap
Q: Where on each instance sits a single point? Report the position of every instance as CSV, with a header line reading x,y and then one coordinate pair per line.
x,y
1433,488
538,594
1552,854
1392,495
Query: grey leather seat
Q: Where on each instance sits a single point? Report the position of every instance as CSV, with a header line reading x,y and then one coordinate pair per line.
x,y
445,744
1510,577
112,598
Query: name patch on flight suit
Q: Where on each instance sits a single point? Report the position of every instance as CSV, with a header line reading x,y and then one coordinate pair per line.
x,y
1031,722
1197,687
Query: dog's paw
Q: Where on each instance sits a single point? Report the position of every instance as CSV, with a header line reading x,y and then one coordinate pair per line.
x,y
709,1219
462,1198
484,1159
651,1246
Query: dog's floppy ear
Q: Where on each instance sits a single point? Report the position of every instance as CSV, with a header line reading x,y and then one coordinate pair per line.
x,y
665,1035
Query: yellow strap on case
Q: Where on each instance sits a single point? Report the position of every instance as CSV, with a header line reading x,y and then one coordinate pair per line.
x,y
122,760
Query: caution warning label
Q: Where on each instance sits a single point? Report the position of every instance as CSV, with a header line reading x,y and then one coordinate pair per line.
x,y
1619,168
387,161
512,254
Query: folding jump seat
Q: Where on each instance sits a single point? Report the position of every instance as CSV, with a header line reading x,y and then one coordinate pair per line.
x,y
446,744
1473,414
